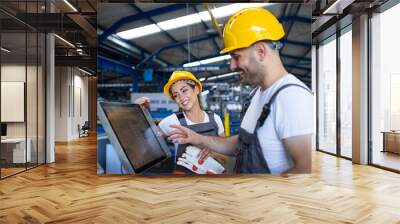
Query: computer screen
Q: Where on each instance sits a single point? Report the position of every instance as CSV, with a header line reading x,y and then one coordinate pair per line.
x,y
3,129
137,134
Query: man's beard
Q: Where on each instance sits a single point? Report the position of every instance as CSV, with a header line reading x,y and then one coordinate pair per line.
x,y
243,81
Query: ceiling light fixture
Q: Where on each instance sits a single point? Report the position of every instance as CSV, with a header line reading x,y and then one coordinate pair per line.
x,y
223,76
180,22
5,50
207,61
86,72
187,20
228,10
139,32
70,5
65,41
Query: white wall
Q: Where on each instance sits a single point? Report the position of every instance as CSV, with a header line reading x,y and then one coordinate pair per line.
x,y
33,126
61,103
81,103
71,102
12,73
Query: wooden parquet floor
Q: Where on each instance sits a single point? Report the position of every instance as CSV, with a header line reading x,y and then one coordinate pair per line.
x,y
70,191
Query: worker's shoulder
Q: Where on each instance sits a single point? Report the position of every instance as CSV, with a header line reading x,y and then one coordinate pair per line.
x,y
296,88
298,94
216,116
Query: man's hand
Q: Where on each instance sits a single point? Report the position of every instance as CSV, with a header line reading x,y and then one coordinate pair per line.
x,y
224,145
183,135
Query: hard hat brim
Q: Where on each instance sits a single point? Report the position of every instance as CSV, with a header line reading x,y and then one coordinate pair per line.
x,y
171,82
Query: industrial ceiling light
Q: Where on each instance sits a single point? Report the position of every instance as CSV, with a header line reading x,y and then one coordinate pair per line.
x,y
207,61
139,32
223,76
228,10
117,40
215,59
79,51
70,5
228,74
180,22
191,64
65,41
212,78
187,20
5,50
84,71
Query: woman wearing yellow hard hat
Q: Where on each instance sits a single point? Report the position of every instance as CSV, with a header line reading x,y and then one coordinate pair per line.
x,y
184,88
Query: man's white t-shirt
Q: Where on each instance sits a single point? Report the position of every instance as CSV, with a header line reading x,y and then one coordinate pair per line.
x,y
173,119
292,114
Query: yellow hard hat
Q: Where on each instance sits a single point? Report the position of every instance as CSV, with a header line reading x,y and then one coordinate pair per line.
x,y
250,25
180,75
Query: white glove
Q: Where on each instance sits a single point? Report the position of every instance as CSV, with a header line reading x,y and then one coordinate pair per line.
x,y
190,160
209,163
185,163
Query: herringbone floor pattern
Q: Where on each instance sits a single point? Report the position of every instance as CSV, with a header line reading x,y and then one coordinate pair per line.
x,y
70,191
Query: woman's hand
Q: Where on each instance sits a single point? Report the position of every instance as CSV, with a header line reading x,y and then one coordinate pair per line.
x,y
144,101
203,155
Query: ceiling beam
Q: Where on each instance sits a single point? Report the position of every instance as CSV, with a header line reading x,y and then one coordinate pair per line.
x,y
141,51
177,44
216,47
104,64
291,23
295,19
303,57
85,61
298,43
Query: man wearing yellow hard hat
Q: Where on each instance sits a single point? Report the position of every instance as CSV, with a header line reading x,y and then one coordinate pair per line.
x,y
184,88
276,130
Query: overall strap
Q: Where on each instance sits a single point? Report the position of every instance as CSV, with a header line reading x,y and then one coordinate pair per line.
x,y
247,102
267,107
211,116
181,118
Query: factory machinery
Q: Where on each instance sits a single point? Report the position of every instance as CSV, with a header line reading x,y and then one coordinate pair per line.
x,y
226,99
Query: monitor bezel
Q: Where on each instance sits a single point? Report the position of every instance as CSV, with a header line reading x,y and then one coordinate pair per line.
x,y
115,141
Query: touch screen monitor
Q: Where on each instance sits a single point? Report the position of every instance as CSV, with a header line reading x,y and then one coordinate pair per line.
x,y
131,129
